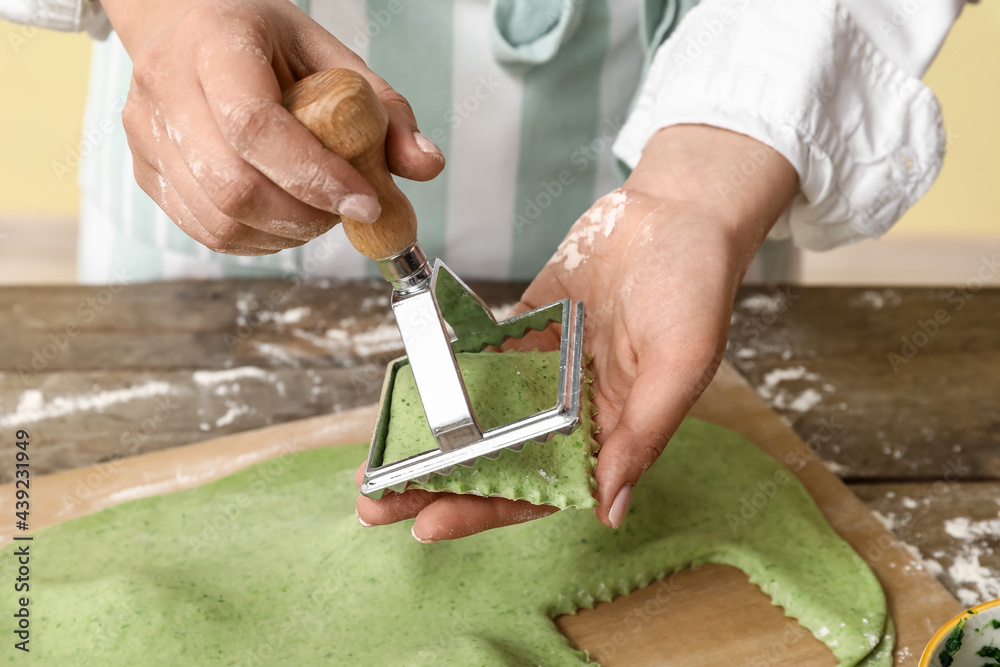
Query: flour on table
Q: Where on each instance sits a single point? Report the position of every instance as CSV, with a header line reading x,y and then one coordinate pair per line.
x,y
212,378
247,313
977,582
805,401
928,564
33,406
838,469
887,520
339,342
370,303
762,303
275,352
233,410
779,397
876,299
377,340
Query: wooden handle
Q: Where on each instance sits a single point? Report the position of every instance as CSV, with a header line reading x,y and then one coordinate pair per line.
x,y
342,110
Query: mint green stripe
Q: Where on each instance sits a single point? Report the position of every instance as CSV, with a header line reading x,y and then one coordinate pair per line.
x,y
111,168
88,175
561,112
129,253
412,50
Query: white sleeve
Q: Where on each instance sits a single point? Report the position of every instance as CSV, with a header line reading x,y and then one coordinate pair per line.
x,y
65,15
830,85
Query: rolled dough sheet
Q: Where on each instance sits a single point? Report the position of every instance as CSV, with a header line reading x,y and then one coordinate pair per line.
x,y
269,566
503,388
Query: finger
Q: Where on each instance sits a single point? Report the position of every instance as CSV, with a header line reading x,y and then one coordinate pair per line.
x,y
169,176
408,153
234,187
246,105
392,507
454,516
654,408
153,184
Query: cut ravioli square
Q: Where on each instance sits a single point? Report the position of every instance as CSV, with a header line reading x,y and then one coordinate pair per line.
x,y
504,387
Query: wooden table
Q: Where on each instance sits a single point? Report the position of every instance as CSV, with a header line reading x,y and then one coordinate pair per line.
x,y
898,389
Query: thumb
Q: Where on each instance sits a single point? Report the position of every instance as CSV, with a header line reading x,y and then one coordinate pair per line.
x,y
409,153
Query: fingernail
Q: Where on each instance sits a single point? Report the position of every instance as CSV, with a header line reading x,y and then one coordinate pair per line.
x,y
361,208
362,521
413,531
427,146
620,506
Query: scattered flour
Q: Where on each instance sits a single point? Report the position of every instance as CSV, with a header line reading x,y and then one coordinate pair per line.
x,y
247,313
380,339
779,397
212,378
233,411
779,375
965,529
928,564
761,303
875,299
806,401
275,352
887,520
370,303
978,582
293,315
32,406
836,468
600,219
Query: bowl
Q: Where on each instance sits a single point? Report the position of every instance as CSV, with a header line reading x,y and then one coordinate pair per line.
x,y
979,631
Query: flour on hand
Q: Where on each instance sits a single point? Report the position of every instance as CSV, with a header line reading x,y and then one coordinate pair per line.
x,y
600,219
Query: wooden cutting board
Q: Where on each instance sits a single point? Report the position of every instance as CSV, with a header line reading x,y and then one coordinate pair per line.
x,y
672,622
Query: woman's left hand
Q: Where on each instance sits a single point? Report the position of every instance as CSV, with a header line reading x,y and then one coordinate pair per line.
x,y
657,264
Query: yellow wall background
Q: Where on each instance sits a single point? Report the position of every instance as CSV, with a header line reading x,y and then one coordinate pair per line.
x,y
964,202
44,77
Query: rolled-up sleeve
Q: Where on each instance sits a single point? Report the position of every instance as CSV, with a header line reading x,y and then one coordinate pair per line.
x,y
831,85
66,15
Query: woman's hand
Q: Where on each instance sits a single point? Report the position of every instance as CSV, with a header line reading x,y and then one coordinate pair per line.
x,y
210,141
657,264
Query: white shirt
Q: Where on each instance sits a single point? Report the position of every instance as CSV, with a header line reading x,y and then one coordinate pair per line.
x,y
832,85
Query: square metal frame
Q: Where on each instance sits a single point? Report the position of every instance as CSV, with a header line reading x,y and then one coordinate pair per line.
x,y
562,418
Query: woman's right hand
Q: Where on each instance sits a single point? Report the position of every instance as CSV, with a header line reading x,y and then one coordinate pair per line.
x,y
210,141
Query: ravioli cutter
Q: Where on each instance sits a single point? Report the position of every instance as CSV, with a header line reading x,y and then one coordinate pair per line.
x,y
342,110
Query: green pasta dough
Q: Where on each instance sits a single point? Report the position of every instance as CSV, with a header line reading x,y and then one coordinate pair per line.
x,y
269,566
504,387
